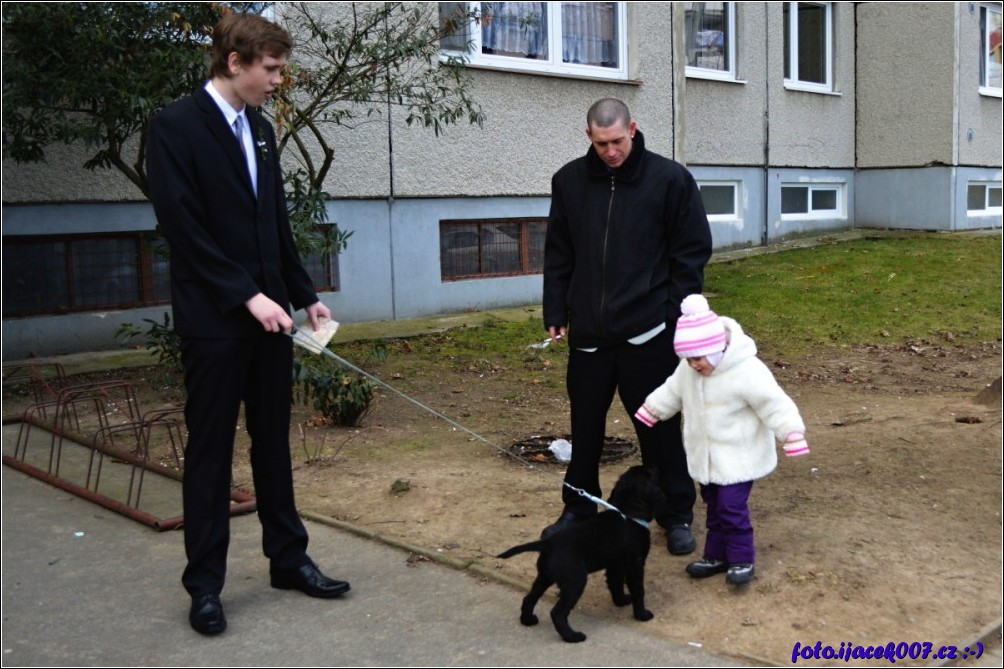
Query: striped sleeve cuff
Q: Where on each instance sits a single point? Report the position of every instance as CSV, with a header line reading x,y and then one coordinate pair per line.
x,y
796,445
645,416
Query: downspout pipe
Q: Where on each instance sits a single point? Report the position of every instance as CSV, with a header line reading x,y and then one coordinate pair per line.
x,y
390,196
764,232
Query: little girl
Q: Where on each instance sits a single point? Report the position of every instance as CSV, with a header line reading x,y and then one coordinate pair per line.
x,y
732,409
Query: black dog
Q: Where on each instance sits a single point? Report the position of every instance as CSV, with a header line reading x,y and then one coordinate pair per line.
x,y
617,542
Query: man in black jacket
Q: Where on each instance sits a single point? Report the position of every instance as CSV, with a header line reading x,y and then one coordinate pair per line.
x,y
627,240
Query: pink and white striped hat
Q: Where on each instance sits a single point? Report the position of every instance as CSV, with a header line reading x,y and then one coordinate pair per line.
x,y
699,331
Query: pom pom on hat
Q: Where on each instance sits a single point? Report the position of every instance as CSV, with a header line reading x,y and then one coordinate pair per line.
x,y
694,304
699,331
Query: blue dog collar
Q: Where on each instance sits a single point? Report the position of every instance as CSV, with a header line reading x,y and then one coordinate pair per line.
x,y
607,505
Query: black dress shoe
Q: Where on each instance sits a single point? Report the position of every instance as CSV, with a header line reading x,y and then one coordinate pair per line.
x,y
206,616
564,521
309,580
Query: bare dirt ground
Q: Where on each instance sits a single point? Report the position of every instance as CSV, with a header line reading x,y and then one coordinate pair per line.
x,y
889,531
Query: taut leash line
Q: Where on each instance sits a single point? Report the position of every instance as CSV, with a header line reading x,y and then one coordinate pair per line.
x,y
313,346
605,504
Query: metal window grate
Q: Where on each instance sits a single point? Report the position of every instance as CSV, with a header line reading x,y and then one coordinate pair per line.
x,y
45,275
323,267
470,249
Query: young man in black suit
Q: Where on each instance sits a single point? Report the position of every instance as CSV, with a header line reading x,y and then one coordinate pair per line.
x,y
216,188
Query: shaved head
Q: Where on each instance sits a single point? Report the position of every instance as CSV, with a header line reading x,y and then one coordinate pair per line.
x,y
604,113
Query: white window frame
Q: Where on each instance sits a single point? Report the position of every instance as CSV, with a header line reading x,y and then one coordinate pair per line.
x,y
839,212
988,209
553,65
793,82
736,199
985,64
729,73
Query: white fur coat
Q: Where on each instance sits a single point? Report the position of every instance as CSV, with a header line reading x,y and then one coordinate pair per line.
x,y
731,418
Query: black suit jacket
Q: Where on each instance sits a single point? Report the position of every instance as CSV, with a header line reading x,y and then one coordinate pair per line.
x,y
226,243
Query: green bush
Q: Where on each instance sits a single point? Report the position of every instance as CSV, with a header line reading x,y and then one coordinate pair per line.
x,y
161,340
343,398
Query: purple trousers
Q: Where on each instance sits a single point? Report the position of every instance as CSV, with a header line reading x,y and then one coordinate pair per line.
x,y
730,532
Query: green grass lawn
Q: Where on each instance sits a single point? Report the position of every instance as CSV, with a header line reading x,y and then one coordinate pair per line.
x,y
882,289
886,288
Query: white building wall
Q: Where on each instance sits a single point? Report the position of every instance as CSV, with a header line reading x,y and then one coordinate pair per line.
x,y
809,129
725,121
895,110
62,178
906,76
927,198
919,148
537,123
980,129
747,227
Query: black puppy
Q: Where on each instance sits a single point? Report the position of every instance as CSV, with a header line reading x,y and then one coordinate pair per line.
x,y
617,542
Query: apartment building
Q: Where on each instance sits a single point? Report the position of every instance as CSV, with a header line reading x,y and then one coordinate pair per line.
x,y
796,118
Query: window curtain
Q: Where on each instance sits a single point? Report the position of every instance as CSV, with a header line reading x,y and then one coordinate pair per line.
x,y
706,24
589,33
514,29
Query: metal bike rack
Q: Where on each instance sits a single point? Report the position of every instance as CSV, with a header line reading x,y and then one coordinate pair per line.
x,y
103,417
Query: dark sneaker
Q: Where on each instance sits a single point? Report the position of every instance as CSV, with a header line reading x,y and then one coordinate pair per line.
x,y
566,520
740,573
707,567
680,540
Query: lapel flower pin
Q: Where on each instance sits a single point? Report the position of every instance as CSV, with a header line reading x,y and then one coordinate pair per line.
x,y
262,145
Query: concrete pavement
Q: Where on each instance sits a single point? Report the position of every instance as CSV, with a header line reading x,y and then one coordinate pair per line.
x,y
83,586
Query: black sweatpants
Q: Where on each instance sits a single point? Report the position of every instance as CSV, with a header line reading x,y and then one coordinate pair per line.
x,y
633,371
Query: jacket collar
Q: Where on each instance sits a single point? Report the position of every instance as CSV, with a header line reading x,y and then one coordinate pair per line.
x,y
629,171
217,123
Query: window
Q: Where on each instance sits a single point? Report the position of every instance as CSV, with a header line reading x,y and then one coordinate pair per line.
x,y
323,271
983,198
720,200
58,274
323,267
710,39
812,201
808,46
572,38
472,249
990,43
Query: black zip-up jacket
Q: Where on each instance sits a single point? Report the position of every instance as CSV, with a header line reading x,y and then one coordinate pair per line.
x,y
623,247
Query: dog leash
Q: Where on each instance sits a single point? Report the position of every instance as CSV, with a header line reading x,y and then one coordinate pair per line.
x,y
606,504
545,343
312,345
